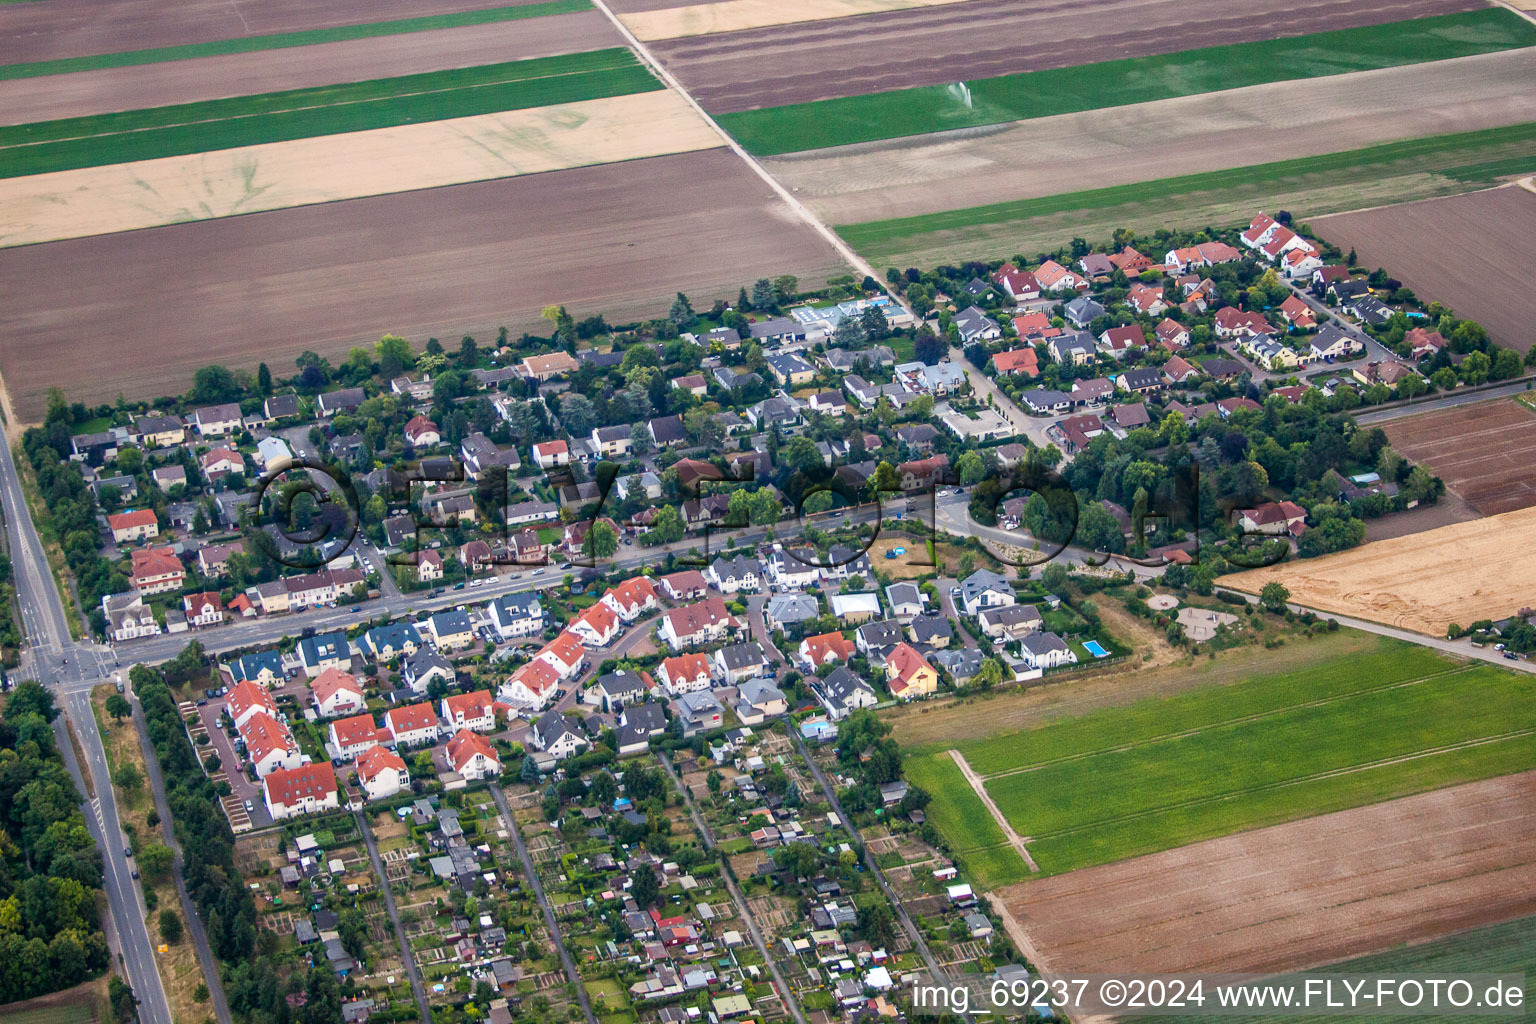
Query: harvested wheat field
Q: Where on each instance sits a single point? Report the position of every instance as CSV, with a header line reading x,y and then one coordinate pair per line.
x,y
1423,582
816,59
1298,895
1485,453
740,15
446,262
1482,264
1186,135
163,83
279,175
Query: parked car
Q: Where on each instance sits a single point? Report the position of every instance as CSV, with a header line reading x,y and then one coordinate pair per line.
x,y
1511,655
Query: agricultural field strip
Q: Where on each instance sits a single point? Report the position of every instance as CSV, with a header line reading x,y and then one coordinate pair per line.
x,y
102,139
884,235
1300,780
770,131
1240,720
1185,775
741,15
286,40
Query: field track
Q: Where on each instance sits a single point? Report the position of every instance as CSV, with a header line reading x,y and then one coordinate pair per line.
x,y
1297,895
1486,452
1164,138
59,29
1482,264
46,98
986,38
444,262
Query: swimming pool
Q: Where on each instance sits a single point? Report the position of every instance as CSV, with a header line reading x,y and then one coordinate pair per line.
x,y
1094,648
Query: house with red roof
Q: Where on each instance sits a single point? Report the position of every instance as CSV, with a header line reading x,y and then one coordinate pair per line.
x,y
1053,277
698,624
134,525
826,649
269,746
382,772
421,432
1171,335
564,654
684,586
1298,313
908,675
632,598
1232,322
337,693
473,756
221,462
1020,285
549,454
1034,326
156,571
352,736
302,790
414,725
247,698
1146,300
1119,341
1019,360
205,609
1274,518
531,686
469,711
1178,370
686,673
597,626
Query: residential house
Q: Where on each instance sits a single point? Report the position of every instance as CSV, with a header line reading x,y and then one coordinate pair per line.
x,y
905,600
684,586
1178,370
337,693
842,693
612,442
1146,300
932,631
758,700
786,610
549,454
974,326
156,571
854,608
134,525
451,629
1118,342
633,598
414,725
261,667
825,649
1333,342
1072,349
472,756
730,575
790,370
741,661
908,674
696,625
307,790
597,626
565,654
423,667
1044,401
1171,335
696,712
1020,285
382,772
324,650
246,698
1273,518
269,746
554,735
1053,277
1045,650
686,673
1140,380
351,736
549,366
985,589
874,637
390,641
158,431
1012,622
1297,313
203,609
1019,360
1083,310
531,685
619,688
469,711
517,615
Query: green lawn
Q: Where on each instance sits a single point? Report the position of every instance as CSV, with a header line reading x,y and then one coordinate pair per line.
x,y
975,840
1508,948
901,112
1391,172
282,40
303,113
1160,774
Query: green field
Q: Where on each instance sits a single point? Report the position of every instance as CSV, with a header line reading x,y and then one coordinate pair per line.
x,y
1157,774
330,110
1508,948
976,842
282,40
1391,172
887,115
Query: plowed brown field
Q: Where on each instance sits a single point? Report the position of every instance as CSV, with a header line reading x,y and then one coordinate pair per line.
x,y
1486,453
1297,895
143,309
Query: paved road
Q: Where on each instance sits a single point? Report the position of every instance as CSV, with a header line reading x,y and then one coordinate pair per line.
x,y
549,912
1025,424
195,927
417,988
935,971
48,649
785,992
1459,397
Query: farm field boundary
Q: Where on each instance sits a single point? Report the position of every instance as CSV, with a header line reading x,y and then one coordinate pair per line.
x,y
1301,894
1390,172
213,125
739,15
901,112
976,841
283,40
1422,582
206,186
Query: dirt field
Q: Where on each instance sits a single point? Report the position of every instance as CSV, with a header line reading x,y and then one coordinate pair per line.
x,y
1478,570
1297,895
327,168
1188,135
77,28
1486,453
985,38
448,261
1481,265
716,16
1449,509
24,100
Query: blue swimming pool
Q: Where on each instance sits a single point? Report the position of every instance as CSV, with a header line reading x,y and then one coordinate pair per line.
x,y
1094,648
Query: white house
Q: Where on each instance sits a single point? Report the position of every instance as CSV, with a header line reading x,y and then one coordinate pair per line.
x,y
517,615
730,575
307,790
414,725
473,756
632,598
351,736
787,571
269,746
985,589
469,711
686,673
1046,650
382,772
247,698
554,735
337,693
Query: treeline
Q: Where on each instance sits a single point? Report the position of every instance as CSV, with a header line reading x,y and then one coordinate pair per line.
x,y
70,509
208,847
50,867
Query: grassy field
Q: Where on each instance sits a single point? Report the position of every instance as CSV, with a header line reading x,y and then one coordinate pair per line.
x,y
888,115
330,110
1508,948
1392,172
1364,726
976,842
1151,777
283,40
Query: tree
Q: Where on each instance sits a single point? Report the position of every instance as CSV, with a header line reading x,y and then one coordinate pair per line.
x,y
667,527
989,673
170,926
120,997
682,313
971,467
644,887
928,348
764,508
1273,596
763,295
263,380
1474,368
155,860
602,540
31,698
797,858
1054,576
118,707
1506,364
128,778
